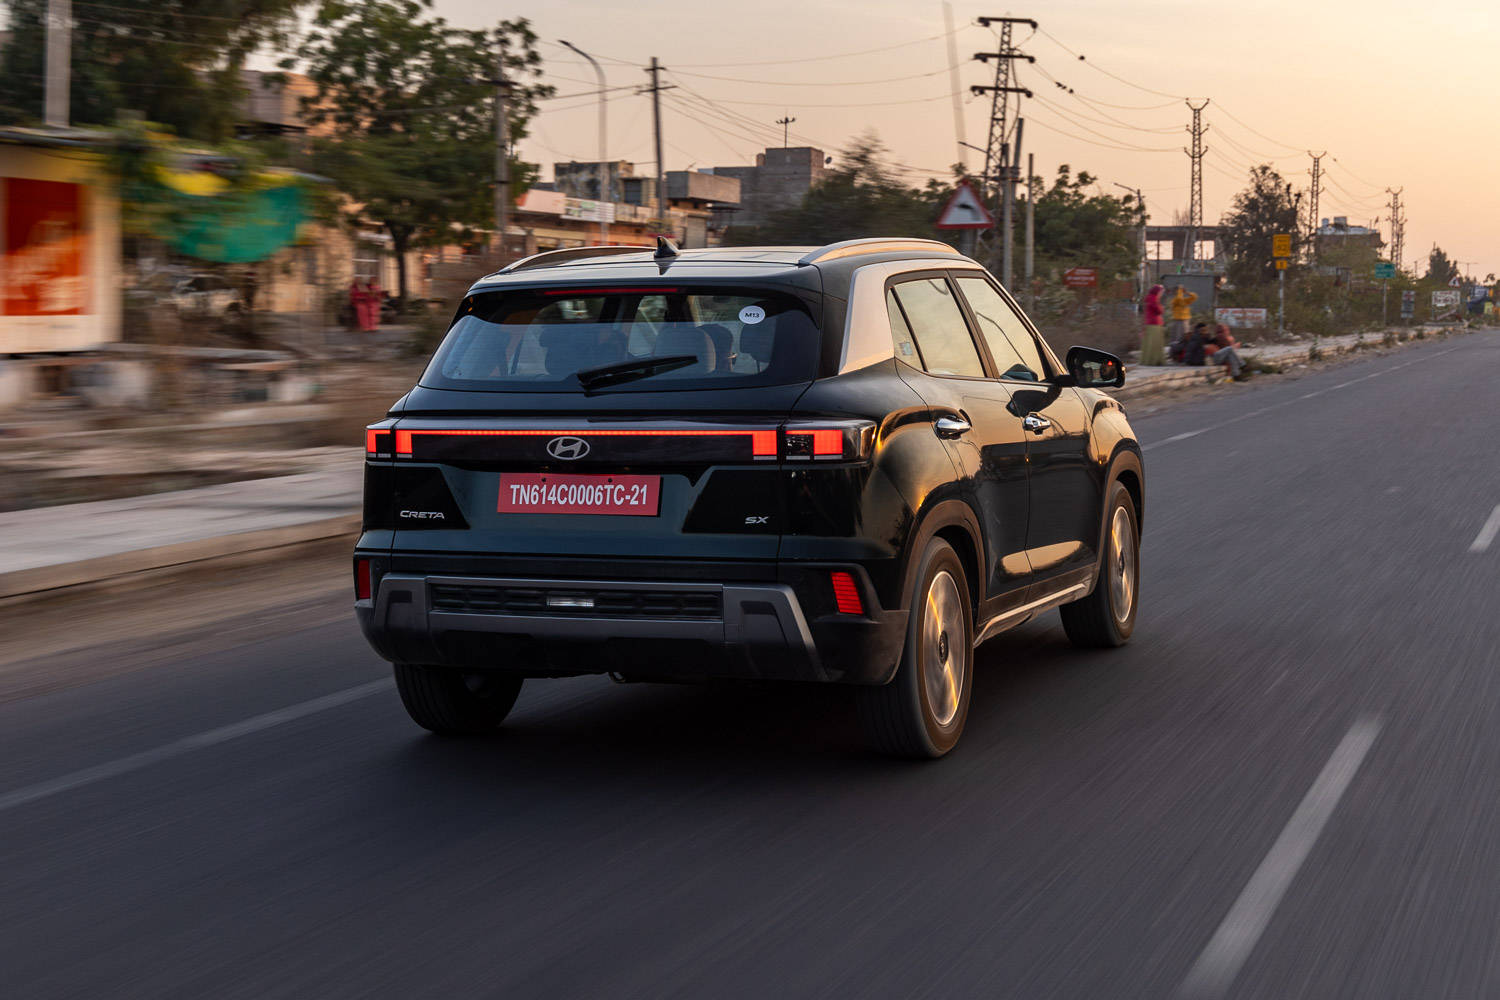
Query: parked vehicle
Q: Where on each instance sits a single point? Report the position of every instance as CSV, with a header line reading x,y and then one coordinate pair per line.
x,y
849,464
207,296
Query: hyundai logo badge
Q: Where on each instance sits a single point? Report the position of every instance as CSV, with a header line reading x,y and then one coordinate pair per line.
x,y
567,448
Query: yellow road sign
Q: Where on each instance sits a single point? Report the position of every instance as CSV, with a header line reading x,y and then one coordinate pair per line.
x,y
1281,265
1281,245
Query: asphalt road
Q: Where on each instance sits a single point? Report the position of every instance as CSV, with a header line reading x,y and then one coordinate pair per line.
x,y
1285,786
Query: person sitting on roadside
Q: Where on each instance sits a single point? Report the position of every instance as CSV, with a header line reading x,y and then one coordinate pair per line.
x,y
1225,352
1195,348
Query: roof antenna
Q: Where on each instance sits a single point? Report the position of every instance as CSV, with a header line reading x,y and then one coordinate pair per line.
x,y
665,249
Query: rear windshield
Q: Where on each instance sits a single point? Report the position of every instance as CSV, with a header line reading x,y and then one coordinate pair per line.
x,y
543,340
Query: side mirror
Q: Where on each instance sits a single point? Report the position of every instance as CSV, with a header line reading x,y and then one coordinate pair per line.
x,y
1095,369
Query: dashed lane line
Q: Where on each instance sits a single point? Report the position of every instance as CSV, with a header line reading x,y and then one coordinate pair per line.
x,y
1487,533
1307,395
198,741
1216,968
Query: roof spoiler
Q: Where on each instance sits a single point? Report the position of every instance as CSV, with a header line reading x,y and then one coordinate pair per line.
x,y
551,258
854,248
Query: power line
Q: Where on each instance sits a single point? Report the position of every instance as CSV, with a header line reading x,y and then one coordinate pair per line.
x,y
1247,128
839,55
1102,145
1067,117
1081,58
781,83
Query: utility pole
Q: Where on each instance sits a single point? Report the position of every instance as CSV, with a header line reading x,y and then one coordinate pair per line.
x,y
1398,226
502,155
606,180
1195,155
661,184
998,169
1030,230
786,129
1008,236
1140,271
1312,201
59,61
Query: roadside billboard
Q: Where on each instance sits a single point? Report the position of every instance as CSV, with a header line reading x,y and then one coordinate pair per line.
x,y
44,249
1242,319
1445,303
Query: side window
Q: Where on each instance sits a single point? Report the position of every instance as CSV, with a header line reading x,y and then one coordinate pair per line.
x,y
1011,345
938,326
901,338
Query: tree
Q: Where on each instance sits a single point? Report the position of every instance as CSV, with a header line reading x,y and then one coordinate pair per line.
x,y
407,103
1078,227
1266,206
860,197
1439,268
173,62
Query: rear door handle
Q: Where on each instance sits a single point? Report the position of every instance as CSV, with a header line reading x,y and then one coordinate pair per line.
x,y
1035,423
952,427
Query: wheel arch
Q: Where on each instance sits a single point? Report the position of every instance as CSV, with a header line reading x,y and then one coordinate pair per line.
x,y
955,522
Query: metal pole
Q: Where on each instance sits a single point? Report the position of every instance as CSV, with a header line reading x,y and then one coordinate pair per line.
x,y
1006,236
661,194
1281,303
606,180
1385,289
1030,230
502,157
59,61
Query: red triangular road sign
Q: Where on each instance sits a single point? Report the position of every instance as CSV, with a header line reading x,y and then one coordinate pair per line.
x,y
965,210
1453,281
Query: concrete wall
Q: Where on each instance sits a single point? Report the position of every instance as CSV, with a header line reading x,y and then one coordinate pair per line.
x,y
97,320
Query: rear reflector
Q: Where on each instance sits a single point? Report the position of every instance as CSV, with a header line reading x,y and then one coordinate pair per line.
x,y
361,579
846,594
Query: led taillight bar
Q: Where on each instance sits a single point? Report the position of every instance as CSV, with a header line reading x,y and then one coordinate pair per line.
x,y
850,440
762,442
362,587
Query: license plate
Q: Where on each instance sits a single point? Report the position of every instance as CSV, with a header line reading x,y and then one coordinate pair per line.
x,y
549,493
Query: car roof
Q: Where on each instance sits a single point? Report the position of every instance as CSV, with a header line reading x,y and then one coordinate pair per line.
x,y
830,266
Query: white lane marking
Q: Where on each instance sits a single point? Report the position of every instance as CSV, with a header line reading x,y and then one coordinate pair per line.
x,y
1487,533
1277,406
1214,972
212,737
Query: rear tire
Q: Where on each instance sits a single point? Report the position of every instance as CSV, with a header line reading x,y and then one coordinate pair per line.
x,y
1106,616
921,713
454,703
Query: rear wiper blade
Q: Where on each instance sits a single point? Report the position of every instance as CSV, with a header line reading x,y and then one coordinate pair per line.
x,y
628,371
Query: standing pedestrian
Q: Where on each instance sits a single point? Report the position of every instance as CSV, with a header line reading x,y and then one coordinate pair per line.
x,y
1151,332
1182,315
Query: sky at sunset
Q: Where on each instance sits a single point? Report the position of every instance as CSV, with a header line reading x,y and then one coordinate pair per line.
x,y
1398,94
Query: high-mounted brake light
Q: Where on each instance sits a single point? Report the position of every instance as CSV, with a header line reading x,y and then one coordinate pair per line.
x,y
845,593
362,587
585,292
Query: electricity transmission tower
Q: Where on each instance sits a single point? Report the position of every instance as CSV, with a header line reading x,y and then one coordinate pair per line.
x,y
1001,161
1312,204
1398,226
1195,155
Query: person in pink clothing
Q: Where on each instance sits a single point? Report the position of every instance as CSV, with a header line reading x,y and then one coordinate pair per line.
x,y
1151,334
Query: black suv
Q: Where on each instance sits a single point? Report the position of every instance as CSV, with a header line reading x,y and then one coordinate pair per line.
x,y
849,464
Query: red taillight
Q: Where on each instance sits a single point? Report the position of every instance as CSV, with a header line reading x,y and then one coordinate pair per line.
x,y
846,594
362,579
377,441
834,440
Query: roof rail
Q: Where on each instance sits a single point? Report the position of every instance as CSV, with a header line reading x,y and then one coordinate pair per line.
x,y
549,258
852,248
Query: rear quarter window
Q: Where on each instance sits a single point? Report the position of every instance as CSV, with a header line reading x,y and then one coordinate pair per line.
x,y
540,340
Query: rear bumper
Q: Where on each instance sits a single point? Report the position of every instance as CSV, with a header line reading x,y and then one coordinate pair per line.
x,y
647,629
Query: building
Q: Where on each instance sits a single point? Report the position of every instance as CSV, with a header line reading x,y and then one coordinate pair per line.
x,y
1336,235
695,200
779,180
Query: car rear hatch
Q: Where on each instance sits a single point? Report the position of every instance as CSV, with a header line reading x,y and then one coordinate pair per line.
x,y
600,424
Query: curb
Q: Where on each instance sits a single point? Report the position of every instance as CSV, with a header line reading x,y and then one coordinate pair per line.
x,y
42,579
